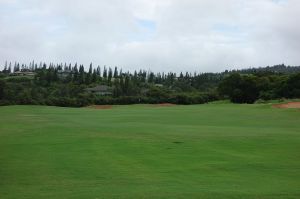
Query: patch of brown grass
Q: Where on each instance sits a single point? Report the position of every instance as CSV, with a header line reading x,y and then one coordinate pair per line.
x,y
101,107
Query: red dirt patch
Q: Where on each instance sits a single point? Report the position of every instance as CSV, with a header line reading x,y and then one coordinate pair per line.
x,y
288,105
163,105
101,107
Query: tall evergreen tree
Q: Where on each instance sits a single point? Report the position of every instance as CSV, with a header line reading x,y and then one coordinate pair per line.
x,y
116,72
89,75
94,76
81,74
109,76
104,72
76,74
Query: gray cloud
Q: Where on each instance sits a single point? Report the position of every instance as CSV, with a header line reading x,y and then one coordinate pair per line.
x,y
160,35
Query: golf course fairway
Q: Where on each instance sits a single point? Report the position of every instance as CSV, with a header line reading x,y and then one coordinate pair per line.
x,y
212,151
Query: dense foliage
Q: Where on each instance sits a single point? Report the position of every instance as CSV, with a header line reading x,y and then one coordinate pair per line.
x,y
67,85
266,86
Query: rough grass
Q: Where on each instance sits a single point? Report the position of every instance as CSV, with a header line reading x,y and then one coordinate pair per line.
x,y
205,151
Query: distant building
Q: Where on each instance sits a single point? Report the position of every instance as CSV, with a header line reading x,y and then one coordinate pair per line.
x,y
24,72
159,85
100,90
64,73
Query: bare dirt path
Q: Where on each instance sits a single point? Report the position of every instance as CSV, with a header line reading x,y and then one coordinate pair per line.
x,y
288,105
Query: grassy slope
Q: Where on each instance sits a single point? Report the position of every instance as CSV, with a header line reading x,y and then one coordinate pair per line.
x,y
206,151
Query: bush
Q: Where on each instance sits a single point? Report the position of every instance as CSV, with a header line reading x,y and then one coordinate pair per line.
x,y
240,89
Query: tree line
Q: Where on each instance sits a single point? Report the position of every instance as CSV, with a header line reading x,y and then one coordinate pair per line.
x,y
68,85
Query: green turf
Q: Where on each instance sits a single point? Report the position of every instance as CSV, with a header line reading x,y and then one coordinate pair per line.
x,y
205,151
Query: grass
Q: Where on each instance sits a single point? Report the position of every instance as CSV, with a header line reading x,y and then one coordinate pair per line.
x,y
214,151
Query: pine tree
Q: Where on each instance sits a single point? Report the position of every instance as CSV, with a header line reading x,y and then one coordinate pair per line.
x,y
151,77
117,89
109,76
116,72
99,71
94,76
104,72
89,75
15,67
81,74
76,74
9,68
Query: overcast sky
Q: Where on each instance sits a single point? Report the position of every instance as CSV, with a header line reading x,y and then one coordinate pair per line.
x,y
160,35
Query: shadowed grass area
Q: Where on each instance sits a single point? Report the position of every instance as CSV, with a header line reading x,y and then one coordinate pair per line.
x,y
201,151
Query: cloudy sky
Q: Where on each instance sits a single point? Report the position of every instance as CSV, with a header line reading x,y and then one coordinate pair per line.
x,y
160,35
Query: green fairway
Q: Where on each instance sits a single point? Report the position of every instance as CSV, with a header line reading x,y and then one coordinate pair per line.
x,y
222,151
